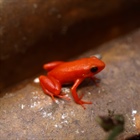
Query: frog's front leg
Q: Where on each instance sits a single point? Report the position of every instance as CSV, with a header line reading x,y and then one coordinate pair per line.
x,y
51,86
75,96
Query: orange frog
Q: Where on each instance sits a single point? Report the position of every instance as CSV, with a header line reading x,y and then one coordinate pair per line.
x,y
61,73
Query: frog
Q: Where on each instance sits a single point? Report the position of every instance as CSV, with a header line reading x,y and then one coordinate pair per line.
x,y
60,73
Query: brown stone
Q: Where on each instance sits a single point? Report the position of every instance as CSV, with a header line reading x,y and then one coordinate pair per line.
x,y
137,120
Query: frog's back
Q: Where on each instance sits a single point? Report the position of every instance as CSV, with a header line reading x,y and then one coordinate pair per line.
x,y
70,71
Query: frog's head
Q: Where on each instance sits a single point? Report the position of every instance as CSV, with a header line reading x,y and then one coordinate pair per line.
x,y
96,65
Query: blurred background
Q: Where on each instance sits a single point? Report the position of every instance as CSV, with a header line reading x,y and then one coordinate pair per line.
x,y
34,32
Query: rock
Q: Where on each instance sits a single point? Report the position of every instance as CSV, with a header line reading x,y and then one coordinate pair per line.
x,y
27,113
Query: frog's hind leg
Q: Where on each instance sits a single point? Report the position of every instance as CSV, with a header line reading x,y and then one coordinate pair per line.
x,y
52,65
51,87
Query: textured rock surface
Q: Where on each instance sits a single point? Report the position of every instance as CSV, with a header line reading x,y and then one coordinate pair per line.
x,y
24,23
27,113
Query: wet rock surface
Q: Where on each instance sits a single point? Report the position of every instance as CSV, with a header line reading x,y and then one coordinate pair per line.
x,y
27,113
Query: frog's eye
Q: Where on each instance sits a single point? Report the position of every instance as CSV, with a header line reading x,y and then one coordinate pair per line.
x,y
94,69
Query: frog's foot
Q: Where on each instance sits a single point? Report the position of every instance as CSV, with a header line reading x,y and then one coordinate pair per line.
x,y
96,81
81,102
63,96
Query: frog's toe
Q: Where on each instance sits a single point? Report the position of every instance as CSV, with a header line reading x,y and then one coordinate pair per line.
x,y
81,102
64,97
